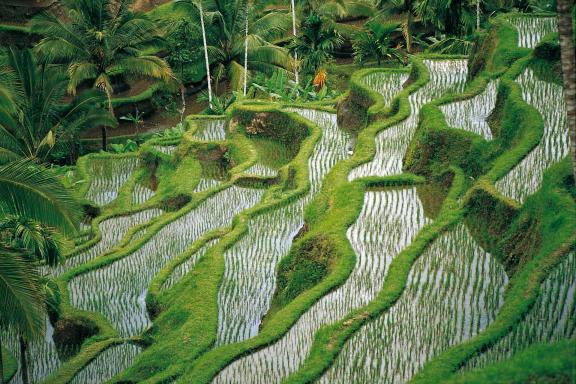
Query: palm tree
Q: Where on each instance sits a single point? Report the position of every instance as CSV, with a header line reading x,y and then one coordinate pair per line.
x,y
568,60
34,115
316,42
39,244
374,41
31,191
225,31
404,11
293,7
100,41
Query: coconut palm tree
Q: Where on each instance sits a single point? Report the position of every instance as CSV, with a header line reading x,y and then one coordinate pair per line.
x,y
568,60
39,244
30,191
39,116
294,32
226,39
316,42
102,42
403,11
374,41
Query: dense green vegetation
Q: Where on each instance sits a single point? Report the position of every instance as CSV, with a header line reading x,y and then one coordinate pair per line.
x,y
307,191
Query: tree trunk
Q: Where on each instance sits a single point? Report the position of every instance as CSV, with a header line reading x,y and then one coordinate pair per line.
x,y
408,31
23,360
199,5
568,59
477,15
294,32
104,138
1,364
246,54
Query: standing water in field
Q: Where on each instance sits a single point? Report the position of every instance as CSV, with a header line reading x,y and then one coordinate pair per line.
x,y
472,114
113,230
141,194
211,130
389,221
100,370
391,144
454,290
43,357
386,83
526,177
118,290
552,318
531,30
250,274
107,177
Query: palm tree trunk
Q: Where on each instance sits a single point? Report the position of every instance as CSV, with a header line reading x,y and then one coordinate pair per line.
x,y
1,364
199,4
477,15
294,32
23,360
408,31
246,53
568,59
111,111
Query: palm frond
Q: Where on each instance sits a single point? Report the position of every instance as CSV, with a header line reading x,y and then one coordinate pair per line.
x,y
32,191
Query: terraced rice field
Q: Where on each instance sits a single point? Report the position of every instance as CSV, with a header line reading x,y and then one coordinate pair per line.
x,y
106,178
125,281
141,194
552,318
166,149
249,278
548,99
531,30
113,230
472,114
389,220
211,130
391,144
453,292
387,84
261,170
100,370
42,355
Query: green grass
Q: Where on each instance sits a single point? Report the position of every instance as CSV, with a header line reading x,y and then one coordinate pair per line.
x,y
542,363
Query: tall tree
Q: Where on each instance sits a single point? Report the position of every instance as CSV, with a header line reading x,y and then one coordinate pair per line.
x,y
316,43
403,11
226,39
31,191
40,115
101,41
294,31
568,59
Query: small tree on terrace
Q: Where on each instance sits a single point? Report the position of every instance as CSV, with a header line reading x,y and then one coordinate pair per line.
x,y
374,42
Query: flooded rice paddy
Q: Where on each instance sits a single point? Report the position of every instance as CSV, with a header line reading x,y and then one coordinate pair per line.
x,y
106,177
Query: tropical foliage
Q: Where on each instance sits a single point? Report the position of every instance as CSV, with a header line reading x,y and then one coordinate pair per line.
x,y
102,43
375,41
35,114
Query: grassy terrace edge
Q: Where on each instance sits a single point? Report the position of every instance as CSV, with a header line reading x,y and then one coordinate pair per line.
x,y
329,214
199,289
107,335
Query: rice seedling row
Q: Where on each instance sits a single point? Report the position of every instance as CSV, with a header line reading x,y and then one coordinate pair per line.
x,y
42,355
388,222
118,290
531,30
182,269
101,370
391,144
141,194
211,130
113,230
107,177
552,318
472,114
387,84
453,292
262,170
526,177
249,277
166,149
